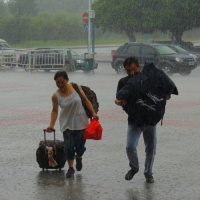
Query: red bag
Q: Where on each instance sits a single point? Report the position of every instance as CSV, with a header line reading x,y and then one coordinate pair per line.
x,y
93,131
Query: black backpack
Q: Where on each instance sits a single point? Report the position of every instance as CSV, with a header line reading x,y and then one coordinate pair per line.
x,y
145,94
90,94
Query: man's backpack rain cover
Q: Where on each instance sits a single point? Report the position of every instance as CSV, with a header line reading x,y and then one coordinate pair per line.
x,y
145,95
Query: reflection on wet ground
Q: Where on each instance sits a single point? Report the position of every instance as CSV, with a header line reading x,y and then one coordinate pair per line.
x,y
51,178
54,185
25,105
146,193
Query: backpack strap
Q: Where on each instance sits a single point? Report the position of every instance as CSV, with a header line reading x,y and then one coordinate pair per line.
x,y
75,86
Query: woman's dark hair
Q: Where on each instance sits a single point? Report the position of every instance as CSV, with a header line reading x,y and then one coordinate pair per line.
x,y
130,60
61,74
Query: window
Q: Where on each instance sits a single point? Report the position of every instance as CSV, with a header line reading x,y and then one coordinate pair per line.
x,y
164,49
146,50
4,45
124,49
133,49
180,49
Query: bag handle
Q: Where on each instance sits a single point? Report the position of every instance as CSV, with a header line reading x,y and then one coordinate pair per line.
x,y
45,140
54,132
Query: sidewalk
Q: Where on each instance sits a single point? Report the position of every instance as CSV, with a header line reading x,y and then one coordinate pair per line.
x,y
103,57
25,107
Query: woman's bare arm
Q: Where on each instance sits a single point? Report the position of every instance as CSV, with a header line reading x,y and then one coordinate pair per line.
x,y
54,113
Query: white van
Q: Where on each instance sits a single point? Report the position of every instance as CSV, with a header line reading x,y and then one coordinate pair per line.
x,y
7,54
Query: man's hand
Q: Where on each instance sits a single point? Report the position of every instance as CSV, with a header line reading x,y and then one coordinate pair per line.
x,y
168,96
120,102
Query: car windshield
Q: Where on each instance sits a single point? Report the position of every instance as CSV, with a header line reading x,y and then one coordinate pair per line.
x,y
4,45
162,49
180,49
72,52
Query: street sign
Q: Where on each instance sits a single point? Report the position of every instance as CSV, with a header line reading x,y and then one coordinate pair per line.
x,y
85,27
85,17
92,14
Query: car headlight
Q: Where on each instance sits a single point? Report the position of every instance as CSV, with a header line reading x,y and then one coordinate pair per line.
x,y
80,61
179,59
194,56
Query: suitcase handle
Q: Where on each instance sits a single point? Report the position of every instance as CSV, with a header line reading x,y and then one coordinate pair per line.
x,y
54,133
45,140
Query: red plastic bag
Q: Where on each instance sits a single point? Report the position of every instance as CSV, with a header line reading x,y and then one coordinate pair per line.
x,y
93,131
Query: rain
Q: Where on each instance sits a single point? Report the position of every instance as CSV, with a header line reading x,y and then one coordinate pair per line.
x,y
82,37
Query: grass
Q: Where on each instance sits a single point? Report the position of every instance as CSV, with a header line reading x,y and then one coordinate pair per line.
x,y
40,43
99,41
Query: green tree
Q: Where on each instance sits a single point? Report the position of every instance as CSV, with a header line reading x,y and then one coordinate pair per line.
x,y
178,16
14,29
3,8
129,16
67,6
23,7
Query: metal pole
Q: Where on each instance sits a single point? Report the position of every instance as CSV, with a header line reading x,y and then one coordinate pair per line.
x,y
92,37
89,28
1,59
93,33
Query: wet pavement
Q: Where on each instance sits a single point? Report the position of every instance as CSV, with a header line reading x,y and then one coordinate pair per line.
x,y
25,105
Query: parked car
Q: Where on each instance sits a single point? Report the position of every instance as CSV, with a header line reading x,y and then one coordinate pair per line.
x,y
182,50
163,57
49,56
7,54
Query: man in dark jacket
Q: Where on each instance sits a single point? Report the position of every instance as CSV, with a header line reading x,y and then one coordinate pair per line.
x,y
135,130
132,69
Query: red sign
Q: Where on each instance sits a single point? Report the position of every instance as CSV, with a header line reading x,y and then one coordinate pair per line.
x,y
85,17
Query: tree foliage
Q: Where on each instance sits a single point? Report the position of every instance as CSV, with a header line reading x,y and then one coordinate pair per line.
x,y
42,27
146,16
23,7
3,8
129,16
178,16
66,6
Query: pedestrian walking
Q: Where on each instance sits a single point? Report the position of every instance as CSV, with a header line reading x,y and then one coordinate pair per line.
x,y
135,127
131,70
73,119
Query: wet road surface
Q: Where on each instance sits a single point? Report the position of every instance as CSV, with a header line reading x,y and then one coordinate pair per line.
x,y
25,105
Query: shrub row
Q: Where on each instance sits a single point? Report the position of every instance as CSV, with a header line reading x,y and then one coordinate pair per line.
x,y
42,27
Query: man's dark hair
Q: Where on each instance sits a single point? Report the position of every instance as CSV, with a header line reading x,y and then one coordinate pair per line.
x,y
130,60
61,74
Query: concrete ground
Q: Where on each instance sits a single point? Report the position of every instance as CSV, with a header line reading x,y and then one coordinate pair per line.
x,y
25,105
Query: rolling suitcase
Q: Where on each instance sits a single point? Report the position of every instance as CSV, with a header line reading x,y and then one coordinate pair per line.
x,y
54,159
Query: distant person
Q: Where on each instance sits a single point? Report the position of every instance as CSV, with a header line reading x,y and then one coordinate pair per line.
x,y
172,39
73,120
132,68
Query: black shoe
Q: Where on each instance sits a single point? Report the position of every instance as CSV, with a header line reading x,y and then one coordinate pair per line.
x,y
79,164
149,178
130,174
70,172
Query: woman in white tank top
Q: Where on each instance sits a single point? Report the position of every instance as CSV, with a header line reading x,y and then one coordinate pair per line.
x,y
73,120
